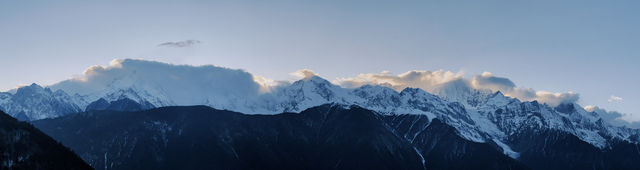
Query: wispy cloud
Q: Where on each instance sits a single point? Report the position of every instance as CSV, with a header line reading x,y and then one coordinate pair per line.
x,y
614,99
180,44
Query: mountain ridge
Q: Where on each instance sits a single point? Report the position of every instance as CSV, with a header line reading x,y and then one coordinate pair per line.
x,y
289,140
478,115
330,136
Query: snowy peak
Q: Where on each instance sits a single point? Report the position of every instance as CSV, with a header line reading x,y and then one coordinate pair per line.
x,y
379,98
419,99
35,102
374,91
315,86
456,90
314,80
33,89
305,93
415,92
461,91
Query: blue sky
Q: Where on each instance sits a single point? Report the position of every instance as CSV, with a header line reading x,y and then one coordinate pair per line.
x,y
589,47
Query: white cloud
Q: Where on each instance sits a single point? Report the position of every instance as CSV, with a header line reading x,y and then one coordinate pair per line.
x,y
488,81
267,85
426,80
438,80
304,73
129,72
590,108
177,82
614,99
556,98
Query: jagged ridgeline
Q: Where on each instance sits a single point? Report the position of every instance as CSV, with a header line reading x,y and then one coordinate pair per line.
x,y
477,115
22,146
538,135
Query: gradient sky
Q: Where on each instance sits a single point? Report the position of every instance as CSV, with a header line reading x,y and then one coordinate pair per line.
x,y
586,46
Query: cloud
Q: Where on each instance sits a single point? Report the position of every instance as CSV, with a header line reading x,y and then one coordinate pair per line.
x,y
426,80
180,44
614,99
304,73
555,99
438,82
487,80
179,83
613,117
267,85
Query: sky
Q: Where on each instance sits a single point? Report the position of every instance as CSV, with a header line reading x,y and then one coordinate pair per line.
x,y
585,46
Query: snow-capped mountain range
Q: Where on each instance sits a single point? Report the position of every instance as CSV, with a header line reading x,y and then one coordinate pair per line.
x,y
478,115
